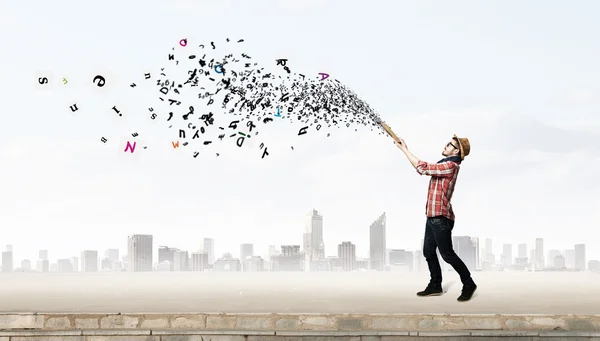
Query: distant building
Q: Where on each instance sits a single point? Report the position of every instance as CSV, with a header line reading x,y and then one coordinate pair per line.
x,y
559,262
254,264
465,249
89,261
139,250
167,254
112,255
594,265
552,254
75,263
290,259
164,266
26,265
181,261
105,264
401,258
580,257
507,256
489,252
314,246
7,260
43,265
227,263
539,253
199,261
209,248
246,251
64,265
570,259
522,250
377,243
347,256
43,255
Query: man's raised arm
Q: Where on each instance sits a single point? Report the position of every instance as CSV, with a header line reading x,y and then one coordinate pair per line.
x,y
444,169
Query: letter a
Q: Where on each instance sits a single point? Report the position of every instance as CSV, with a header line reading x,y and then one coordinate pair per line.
x,y
130,147
175,145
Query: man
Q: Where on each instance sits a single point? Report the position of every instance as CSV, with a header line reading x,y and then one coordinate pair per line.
x,y
440,216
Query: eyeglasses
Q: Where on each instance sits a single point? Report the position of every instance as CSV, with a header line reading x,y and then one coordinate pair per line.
x,y
450,144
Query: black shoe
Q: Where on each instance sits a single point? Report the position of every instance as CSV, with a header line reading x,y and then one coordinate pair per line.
x,y
467,293
431,291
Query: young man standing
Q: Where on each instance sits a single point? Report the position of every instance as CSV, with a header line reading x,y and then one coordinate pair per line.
x,y
440,216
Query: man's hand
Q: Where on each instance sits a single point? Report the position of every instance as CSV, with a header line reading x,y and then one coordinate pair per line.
x,y
401,144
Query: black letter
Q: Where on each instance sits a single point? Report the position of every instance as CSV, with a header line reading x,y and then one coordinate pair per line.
x,y
74,108
302,131
166,90
117,110
181,133
265,153
101,81
43,80
233,124
196,135
240,141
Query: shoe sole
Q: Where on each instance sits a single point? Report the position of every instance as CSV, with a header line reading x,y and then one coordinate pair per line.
x,y
434,294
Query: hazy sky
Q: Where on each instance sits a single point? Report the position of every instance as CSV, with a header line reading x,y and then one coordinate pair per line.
x,y
520,80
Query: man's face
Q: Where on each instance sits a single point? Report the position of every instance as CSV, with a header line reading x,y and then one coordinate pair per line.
x,y
451,148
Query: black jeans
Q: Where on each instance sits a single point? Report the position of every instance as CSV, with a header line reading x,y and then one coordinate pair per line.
x,y
438,234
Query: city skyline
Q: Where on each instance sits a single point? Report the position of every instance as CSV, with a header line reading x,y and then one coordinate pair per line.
x,y
141,250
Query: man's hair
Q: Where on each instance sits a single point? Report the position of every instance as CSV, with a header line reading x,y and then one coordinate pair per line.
x,y
458,145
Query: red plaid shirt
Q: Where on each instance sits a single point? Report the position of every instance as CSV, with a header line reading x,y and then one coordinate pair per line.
x,y
441,186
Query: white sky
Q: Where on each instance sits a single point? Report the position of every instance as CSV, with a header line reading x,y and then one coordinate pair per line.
x,y
520,80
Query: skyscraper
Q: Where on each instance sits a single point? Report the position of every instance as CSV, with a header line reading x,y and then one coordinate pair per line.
x,y
199,261
464,248
112,255
347,256
7,259
570,259
181,261
246,253
489,252
75,263
89,261
246,250
522,250
64,265
475,242
552,254
539,253
507,256
139,250
43,255
377,243
580,257
314,247
209,249
167,254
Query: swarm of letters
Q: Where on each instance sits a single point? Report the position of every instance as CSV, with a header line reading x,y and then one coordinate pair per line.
x,y
210,94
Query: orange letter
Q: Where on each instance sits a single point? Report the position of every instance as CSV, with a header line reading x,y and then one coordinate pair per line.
x,y
130,147
175,145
